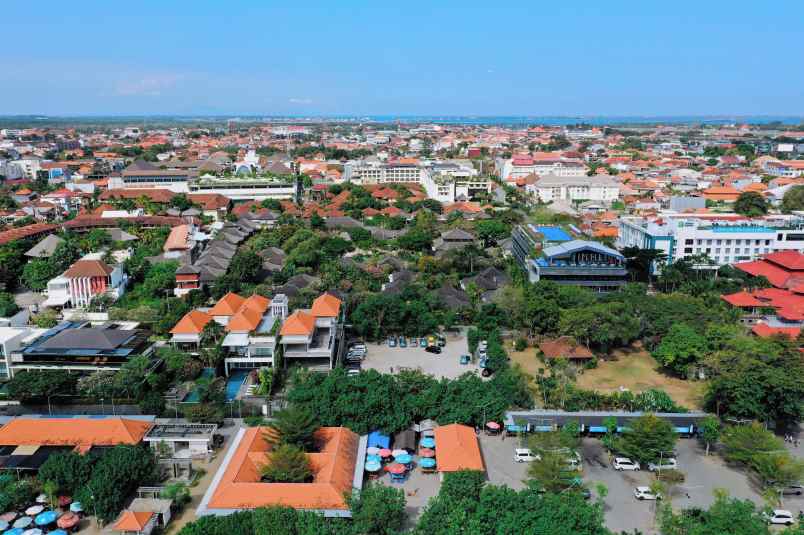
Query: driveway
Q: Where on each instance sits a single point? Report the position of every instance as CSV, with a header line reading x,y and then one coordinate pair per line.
x,y
447,364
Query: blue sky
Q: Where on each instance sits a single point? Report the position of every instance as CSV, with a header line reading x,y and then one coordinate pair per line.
x,y
449,58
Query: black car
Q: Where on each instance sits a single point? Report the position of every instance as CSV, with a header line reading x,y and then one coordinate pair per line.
x,y
433,349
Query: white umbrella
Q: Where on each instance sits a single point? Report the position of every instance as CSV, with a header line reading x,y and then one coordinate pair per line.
x,y
42,498
372,450
34,531
34,510
398,452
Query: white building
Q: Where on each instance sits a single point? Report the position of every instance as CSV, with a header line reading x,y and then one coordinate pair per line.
x,y
552,188
85,280
522,166
447,182
372,171
12,339
725,238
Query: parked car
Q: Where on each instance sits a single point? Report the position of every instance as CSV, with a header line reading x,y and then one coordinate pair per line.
x,y
780,516
441,340
624,463
423,342
403,342
353,371
392,341
465,359
798,490
358,347
644,493
433,349
665,464
525,455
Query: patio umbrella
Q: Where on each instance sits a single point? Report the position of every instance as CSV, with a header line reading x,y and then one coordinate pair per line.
x,y
427,463
373,466
396,468
68,520
64,501
48,517
75,507
398,452
23,522
9,516
372,450
57,532
494,426
15,531
385,452
42,498
404,459
34,510
3,525
373,459
32,531
427,442
426,453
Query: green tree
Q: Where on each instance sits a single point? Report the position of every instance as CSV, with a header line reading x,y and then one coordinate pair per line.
x,y
751,204
296,426
726,515
378,510
37,272
69,470
647,439
742,443
287,464
793,199
552,473
682,347
710,431
8,307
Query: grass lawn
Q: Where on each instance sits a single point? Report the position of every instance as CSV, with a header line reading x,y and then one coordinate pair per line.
x,y
637,370
528,363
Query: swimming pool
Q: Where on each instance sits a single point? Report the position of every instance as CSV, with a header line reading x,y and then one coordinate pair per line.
x,y
233,384
193,396
554,233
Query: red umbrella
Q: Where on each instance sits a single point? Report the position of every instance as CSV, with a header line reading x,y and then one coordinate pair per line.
x,y
68,520
492,425
11,516
426,452
385,452
396,468
64,501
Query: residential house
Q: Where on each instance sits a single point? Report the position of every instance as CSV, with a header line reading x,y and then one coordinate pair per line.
x,y
83,281
311,337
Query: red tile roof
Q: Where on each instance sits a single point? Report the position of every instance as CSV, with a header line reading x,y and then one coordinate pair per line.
x,y
192,323
227,305
300,323
457,448
326,306
85,432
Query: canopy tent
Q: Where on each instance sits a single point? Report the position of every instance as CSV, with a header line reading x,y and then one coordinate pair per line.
x,y
372,466
404,459
68,520
48,517
427,463
427,442
378,440
23,522
14,531
426,453
405,440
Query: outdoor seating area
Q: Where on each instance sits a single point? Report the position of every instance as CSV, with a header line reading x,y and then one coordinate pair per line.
x,y
403,459
42,517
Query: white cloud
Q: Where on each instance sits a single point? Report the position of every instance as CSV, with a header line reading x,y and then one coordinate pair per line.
x,y
300,100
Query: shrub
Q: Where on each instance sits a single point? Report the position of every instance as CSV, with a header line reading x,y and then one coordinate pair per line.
x,y
287,464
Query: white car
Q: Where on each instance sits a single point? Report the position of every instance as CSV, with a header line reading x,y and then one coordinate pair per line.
x,y
644,493
780,516
665,464
624,463
524,455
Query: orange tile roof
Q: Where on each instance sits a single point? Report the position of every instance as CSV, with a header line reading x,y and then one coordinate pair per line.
x,y
333,472
326,306
227,305
177,239
192,323
245,320
88,268
132,521
298,323
73,432
256,302
458,448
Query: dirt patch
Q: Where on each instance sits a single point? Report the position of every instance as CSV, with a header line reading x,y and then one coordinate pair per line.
x,y
638,371
529,363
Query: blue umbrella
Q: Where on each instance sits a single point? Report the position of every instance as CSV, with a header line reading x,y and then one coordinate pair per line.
x,y
404,459
373,458
48,517
428,442
3,525
75,507
23,522
15,531
372,466
427,463
57,532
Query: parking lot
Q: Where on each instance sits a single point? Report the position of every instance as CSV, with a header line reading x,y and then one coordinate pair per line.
x,y
386,359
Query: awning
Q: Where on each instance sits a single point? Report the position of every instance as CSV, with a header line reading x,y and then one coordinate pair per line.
x,y
235,340
25,450
56,301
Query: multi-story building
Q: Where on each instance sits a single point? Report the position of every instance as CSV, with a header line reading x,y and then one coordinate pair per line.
x,y
448,182
521,166
313,337
784,168
598,188
724,238
548,253
247,188
85,280
79,346
373,171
